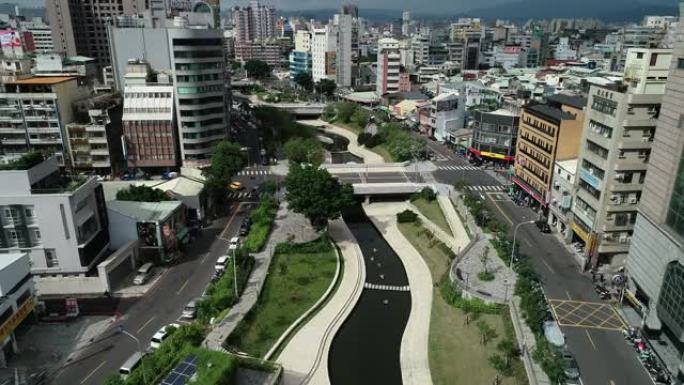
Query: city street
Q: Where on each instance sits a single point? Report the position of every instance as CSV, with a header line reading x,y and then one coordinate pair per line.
x,y
592,331
160,306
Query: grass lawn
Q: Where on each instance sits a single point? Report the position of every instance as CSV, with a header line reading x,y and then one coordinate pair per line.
x,y
433,212
455,353
295,282
383,152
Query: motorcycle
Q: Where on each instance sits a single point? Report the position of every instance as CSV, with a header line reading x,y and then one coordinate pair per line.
x,y
602,292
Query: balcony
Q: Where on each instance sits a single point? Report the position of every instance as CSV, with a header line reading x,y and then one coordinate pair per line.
x,y
46,141
95,128
97,139
11,130
99,151
43,130
589,177
13,141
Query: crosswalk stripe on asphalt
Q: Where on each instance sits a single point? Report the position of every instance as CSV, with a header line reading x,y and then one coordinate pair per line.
x,y
486,188
457,168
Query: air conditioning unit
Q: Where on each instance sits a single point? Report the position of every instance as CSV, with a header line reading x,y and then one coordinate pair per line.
x,y
633,200
613,198
624,238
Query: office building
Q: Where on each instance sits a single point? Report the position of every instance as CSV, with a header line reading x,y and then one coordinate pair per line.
x,y
406,23
323,53
266,52
447,114
656,256
508,57
61,222
564,51
149,123
548,132
42,37
18,304
255,23
80,27
34,114
300,57
95,138
420,45
494,136
343,54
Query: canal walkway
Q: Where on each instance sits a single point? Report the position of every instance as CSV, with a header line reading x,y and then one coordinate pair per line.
x,y
305,357
414,361
353,147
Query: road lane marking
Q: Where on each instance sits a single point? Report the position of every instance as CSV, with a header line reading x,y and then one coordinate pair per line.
x,y
568,294
528,243
145,324
231,220
590,339
612,382
183,287
548,266
501,211
83,381
204,258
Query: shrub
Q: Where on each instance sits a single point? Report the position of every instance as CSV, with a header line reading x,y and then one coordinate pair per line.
x,y
486,276
407,216
375,140
426,193
319,245
452,295
363,138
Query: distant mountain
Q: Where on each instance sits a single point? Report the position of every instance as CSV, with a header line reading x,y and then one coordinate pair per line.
x,y
325,14
8,8
605,10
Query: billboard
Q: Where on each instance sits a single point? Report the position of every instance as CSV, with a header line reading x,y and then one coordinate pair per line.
x,y
10,39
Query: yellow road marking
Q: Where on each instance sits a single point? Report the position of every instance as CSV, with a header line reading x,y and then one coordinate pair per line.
x,y
231,219
589,327
501,211
145,324
619,317
612,382
83,381
589,316
183,287
568,294
590,340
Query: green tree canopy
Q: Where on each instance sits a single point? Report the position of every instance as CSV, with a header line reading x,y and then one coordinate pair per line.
x,y
345,110
326,87
301,150
304,80
360,117
257,69
142,194
314,193
226,160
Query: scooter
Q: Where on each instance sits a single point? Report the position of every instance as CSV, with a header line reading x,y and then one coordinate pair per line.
x,y
602,291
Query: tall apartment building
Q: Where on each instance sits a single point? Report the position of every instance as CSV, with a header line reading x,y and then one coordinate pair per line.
x,y
194,56
420,45
614,155
406,23
344,50
300,57
255,23
60,222
388,66
42,37
19,302
323,53
548,133
34,113
447,114
80,27
95,138
494,136
655,264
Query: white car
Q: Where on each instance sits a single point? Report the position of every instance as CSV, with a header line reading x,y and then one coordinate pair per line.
x,y
234,243
221,263
161,335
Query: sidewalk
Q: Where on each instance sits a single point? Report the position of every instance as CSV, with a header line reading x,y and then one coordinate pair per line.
x,y
413,356
305,357
367,155
287,224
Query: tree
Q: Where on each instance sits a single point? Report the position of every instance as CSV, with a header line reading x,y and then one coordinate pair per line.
x,y
114,379
486,332
257,69
484,258
326,87
360,118
345,110
226,160
508,349
142,194
315,193
235,65
500,365
299,150
328,112
304,80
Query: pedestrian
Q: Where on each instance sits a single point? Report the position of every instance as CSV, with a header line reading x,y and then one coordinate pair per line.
x,y
601,278
593,277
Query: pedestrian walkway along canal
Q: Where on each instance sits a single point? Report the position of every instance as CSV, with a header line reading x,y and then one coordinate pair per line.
x,y
366,348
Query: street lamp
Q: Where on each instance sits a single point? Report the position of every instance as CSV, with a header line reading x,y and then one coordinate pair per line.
x,y
515,232
234,269
137,341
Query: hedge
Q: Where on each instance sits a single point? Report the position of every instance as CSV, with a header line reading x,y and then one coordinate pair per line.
x,y
407,216
321,244
262,221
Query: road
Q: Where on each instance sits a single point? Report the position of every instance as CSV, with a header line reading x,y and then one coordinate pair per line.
x,y
602,354
160,306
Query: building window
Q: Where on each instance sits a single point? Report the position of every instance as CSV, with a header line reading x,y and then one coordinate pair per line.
x,y
28,212
680,63
51,258
654,59
36,233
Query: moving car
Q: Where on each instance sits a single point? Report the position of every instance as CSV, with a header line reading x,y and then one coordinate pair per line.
x,y
161,335
130,365
245,226
190,310
234,243
235,186
143,274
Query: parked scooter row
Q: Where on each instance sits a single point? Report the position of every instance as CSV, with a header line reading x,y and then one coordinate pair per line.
x,y
659,374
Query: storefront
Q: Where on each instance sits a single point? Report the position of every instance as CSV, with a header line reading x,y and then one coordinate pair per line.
x,y
526,194
499,160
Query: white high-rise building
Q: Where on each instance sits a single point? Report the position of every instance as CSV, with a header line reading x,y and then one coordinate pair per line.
x,y
323,51
344,50
406,23
388,66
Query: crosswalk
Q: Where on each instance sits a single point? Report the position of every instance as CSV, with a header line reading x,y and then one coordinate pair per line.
x,y
486,188
254,172
375,286
458,168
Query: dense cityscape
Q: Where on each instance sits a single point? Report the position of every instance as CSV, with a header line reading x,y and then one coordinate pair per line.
x,y
198,192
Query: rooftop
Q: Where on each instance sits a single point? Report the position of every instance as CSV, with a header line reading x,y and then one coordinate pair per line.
x,y
569,165
9,259
144,211
25,162
569,100
43,80
548,112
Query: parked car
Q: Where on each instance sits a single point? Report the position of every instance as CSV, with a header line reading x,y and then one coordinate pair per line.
x,y
571,369
161,335
221,263
143,274
190,310
553,334
234,243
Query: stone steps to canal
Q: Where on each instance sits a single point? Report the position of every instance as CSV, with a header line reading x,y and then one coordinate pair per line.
x,y
375,286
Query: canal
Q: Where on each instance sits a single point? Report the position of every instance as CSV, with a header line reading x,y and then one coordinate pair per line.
x,y
338,149
365,351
